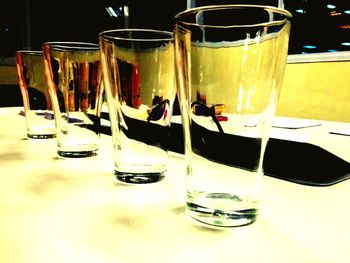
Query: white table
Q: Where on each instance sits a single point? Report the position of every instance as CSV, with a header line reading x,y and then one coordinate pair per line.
x,y
73,210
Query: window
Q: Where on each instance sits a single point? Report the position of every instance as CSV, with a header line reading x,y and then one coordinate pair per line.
x,y
317,26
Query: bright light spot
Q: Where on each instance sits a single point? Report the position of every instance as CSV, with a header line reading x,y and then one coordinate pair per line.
x,y
111,12
309,47
331,6
301,11
126,10
347,44
347,12
335,13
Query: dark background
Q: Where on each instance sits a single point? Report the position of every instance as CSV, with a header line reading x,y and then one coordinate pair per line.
x,y
28,23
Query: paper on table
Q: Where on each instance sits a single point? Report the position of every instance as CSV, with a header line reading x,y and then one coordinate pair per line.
x,y
283,127
341,131
289,123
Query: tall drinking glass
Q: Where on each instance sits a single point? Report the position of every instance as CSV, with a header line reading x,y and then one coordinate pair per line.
x,y
139,78
230,62
35,94
73,74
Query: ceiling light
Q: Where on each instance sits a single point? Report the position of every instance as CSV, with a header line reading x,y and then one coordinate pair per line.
x,y
309,47
330,6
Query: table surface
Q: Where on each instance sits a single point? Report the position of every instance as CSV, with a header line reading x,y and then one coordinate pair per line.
x,y
73,210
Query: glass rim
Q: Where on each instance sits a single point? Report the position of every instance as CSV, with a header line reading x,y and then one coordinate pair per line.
x,y
197,10
109,34
29,52
72,45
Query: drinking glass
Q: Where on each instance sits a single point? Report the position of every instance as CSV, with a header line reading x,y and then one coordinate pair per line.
x,y
73,75
139,79
230,62
36,100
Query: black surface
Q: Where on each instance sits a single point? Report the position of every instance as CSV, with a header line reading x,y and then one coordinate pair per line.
x,y
304,163
297,162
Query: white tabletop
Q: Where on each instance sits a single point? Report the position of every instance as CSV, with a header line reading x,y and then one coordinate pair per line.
x,y
73,210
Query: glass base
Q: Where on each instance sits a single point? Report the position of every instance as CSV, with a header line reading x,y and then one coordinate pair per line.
x,y
139,178
81,154
222,210
41,136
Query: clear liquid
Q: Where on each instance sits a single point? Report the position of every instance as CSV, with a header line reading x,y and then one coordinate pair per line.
x,y
139,178
222,209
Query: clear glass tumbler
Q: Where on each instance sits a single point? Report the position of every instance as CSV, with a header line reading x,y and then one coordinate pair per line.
x,y
73,75
230,62
139,79
36,100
